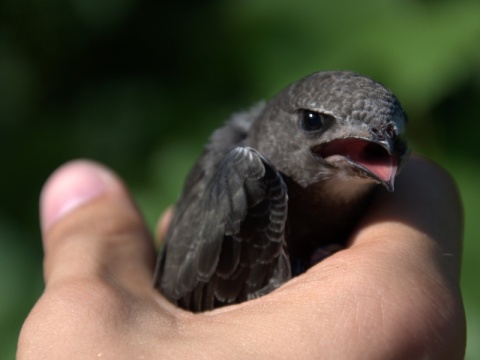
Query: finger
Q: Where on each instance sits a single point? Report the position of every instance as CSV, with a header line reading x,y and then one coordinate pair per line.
x,y
162,226
92,229
425,205
389,295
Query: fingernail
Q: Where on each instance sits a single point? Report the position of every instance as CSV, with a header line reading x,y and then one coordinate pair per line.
x,y
69,187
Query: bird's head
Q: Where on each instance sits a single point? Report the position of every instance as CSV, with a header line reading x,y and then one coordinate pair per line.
x,y
337,126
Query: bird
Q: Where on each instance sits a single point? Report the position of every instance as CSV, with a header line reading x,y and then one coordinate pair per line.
x,y
279,187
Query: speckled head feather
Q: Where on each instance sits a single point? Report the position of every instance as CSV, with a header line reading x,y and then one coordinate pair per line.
x,y
356,107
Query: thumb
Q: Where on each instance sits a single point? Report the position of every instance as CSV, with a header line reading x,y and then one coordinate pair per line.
x,y
91,227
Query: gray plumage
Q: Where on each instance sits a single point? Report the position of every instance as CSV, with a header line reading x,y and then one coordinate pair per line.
x,y
277,185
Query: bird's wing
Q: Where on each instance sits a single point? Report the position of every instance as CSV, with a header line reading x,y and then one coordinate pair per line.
x,y
226,243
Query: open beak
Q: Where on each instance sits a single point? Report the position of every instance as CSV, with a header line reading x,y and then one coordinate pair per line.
x,y
368,157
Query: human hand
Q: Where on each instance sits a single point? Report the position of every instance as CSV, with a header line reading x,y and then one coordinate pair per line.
x,y
393,294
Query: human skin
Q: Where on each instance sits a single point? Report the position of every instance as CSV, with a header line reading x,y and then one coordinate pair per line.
x,y
392,294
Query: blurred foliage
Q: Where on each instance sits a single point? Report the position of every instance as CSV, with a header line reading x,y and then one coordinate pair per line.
x,y
139,85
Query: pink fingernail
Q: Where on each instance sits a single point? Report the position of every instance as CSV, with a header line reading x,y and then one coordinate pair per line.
x,y
70,186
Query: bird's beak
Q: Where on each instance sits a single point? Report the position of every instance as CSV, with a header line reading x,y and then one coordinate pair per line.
x,y
380,161
375,157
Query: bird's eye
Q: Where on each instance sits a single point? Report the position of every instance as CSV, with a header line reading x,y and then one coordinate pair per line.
x,y
312,121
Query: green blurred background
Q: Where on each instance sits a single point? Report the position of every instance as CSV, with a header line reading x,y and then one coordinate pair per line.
x,y
140,85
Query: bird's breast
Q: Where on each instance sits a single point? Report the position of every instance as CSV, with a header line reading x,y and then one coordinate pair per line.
x,y
319,216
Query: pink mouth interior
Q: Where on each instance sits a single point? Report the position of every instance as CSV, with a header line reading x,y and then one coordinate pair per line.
x,y
369,155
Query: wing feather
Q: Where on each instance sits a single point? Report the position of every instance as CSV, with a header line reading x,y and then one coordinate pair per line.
x,y
229,239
